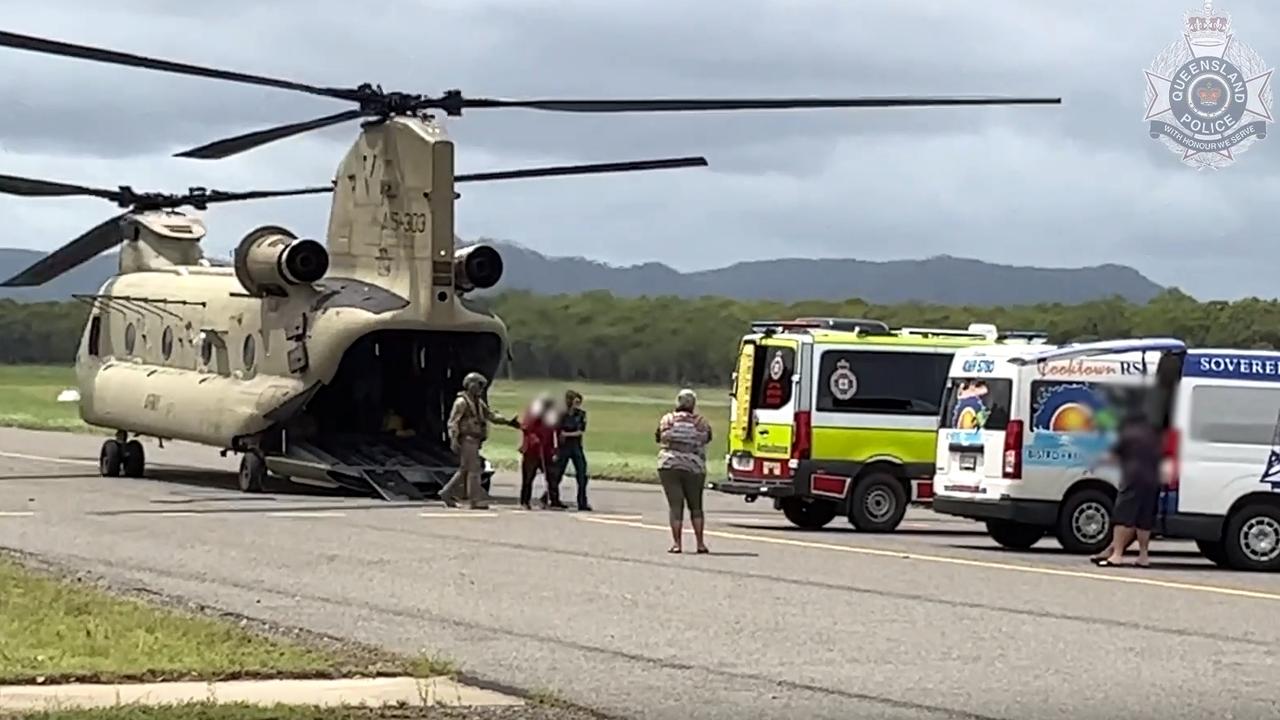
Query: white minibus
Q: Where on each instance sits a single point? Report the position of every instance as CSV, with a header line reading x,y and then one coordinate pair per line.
x,y
1021,443
1219,410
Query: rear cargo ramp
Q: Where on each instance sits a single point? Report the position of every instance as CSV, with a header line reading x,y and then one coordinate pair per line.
x,y
392,468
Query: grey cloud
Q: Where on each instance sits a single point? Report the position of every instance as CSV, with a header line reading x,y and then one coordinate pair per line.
x,y
1070,185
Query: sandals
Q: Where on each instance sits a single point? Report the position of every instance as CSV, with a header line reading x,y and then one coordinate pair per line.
x,y
674,550
1106,562
703,551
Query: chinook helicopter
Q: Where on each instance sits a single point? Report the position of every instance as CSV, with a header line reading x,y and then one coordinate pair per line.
x,y
295,353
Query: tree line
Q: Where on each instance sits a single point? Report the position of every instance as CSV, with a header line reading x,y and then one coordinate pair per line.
x,y
596,336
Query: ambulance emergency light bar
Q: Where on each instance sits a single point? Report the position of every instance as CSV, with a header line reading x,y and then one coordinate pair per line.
x,y
854,324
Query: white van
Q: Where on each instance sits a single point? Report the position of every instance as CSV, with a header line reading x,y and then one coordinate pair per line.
x,y
1224,445
1220,412
1021,440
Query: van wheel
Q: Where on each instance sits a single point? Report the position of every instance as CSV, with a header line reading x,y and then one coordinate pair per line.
x,y
1015,536
878,504
1253,538
1215,551
808,514
1084,522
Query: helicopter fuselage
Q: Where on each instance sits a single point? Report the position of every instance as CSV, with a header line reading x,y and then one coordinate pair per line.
x,y
205,354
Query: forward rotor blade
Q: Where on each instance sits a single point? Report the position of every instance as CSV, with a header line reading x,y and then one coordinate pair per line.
x,y
102,237
31,187
248,141
218,197
699,105
85,52
589,169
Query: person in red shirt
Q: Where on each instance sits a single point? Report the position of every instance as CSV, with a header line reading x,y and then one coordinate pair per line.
x,y
538,445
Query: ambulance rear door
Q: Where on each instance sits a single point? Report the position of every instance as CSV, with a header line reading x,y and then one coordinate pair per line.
x,y
766,395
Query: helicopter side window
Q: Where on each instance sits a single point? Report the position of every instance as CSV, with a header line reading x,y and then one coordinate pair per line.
x,y
95,334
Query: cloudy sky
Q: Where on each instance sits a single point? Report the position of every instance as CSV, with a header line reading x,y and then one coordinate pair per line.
x,y
1071,185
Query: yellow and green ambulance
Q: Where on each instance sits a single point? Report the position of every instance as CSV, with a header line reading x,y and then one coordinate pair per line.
x,y
836,416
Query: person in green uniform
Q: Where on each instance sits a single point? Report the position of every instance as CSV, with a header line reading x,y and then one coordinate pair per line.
x,y
468,429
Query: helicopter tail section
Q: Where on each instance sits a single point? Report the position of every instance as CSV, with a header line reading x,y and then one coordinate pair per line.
x,y
391,221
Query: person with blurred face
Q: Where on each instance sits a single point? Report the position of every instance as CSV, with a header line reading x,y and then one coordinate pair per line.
x,y
1137,450
538,447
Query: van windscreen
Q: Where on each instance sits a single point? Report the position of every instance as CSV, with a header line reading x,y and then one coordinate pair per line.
x,y
980,403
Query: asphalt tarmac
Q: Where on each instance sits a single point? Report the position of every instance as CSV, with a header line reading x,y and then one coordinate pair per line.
x,y
934,621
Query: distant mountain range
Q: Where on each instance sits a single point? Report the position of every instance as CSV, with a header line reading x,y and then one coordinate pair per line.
x,y
943,279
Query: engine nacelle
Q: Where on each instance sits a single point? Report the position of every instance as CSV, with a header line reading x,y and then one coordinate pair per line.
x,y
476,268
270,259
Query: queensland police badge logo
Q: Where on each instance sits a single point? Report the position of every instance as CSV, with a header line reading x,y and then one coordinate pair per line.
x,y
843,382
1208,94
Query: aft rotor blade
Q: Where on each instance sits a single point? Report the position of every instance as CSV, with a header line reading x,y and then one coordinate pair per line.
x,y
85,52
699,105
248,141
31,187
101,238
590,169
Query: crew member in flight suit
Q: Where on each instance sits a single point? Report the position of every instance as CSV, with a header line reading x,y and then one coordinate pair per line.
x,y
468,429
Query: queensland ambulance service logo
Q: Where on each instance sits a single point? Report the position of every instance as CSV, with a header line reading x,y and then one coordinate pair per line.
x,y
1208,94
777,366
843,382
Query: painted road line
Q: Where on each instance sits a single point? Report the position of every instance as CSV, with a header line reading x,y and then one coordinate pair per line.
x,y
458,514
178,513
1012,567
41,458
611,517
94,463
306,514
16,513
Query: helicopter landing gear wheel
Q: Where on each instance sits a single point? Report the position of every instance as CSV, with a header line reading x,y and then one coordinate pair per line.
x,y
253,473
110,458
133,459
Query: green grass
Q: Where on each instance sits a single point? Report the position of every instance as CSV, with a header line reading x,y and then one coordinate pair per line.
x,y
53,630
28,398
619,440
